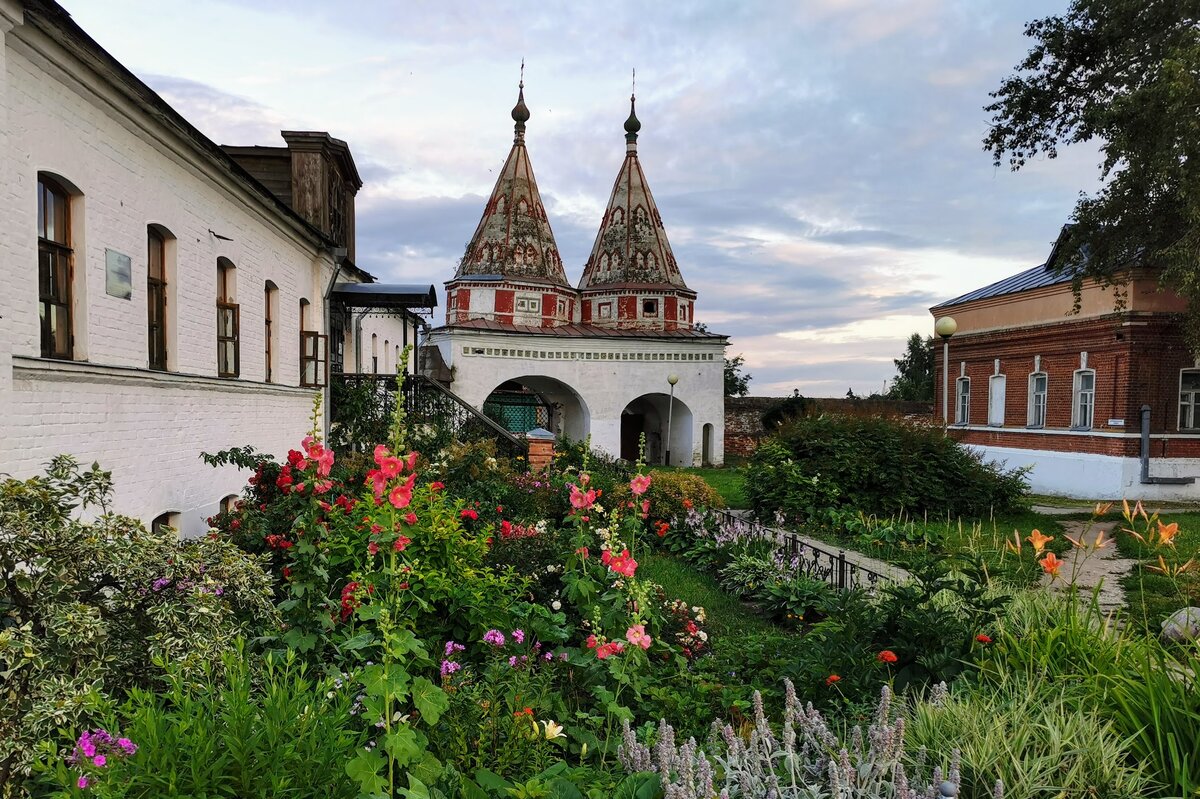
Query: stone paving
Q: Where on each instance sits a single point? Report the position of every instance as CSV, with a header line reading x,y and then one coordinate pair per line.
x,y
1091,570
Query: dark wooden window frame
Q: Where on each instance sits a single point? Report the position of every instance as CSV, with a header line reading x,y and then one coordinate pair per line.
x,y
55,271
227,310
314,359
156,301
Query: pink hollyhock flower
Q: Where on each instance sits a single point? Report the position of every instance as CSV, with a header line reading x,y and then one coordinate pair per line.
x,y
410,518
582,500
381,452
400,496
639,484
401,543
410,462
591,642
372,548
636,635
608,650
468,513
391,466
437,486
583,553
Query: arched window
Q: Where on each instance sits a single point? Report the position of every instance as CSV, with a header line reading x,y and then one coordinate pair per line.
x,y
1039,383
270,308
374,353
54,269
1083,401
997,388
962,406
228,335
170,519
229,503
314,351
387,350
399,366
156,297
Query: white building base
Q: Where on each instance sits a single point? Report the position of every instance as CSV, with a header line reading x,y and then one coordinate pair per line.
x,y
1099,477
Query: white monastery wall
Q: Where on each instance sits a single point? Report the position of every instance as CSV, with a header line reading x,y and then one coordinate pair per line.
x,y
148,427
606,377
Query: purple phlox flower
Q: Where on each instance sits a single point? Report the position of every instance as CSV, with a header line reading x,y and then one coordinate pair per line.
x,y
127,746
161,583
518,636
449,667
83,781
452,647
100,760
548,656
512,661
494,637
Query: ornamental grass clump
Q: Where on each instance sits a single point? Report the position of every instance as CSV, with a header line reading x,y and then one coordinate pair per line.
x,y
805,760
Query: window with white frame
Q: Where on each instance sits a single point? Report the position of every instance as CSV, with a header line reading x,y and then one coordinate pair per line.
x,y
683,311
1038,384
1083,402
529,304
1189,399
650,308
605,310
997,384
962,404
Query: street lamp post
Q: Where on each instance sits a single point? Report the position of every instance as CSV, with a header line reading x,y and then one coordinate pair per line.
x,y
672,379
945,327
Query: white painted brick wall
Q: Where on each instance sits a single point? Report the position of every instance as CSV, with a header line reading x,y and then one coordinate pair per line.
x,y
148,428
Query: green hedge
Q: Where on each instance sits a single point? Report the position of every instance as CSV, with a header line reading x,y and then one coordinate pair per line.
x,y
875,465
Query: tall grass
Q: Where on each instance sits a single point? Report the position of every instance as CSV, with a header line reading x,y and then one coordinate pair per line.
x,y
1063,645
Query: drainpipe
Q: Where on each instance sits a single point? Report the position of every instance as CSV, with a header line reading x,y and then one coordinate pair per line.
x,y
338,254
1145,444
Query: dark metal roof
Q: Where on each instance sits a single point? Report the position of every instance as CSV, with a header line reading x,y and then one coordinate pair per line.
x,y
1034,278
385,295
582,331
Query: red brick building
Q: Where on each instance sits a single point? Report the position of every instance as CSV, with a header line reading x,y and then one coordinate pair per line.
x,y
1068,394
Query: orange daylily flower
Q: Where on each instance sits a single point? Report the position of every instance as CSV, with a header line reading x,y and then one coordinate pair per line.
x,y
1102,508
1167,532
1051,564
1039,541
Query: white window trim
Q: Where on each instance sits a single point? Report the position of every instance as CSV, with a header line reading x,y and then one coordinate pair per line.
x,y
1195,402
1030,420
1076,394
532,304
961,418
993,381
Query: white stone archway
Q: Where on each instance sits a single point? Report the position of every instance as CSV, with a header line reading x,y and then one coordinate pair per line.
x,y
569,416
649,415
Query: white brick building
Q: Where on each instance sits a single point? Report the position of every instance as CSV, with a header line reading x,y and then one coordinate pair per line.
x,y
114,211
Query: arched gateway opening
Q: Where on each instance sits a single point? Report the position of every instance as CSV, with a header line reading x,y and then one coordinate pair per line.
x,y
649,415
526,403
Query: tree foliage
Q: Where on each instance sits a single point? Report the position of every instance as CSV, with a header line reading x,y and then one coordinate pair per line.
x,y
736,383
1125,73
914,371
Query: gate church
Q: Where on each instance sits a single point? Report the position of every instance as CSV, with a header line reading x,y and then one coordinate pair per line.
x,y
616,357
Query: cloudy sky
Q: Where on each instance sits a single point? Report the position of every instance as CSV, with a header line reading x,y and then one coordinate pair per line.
x,y
817,163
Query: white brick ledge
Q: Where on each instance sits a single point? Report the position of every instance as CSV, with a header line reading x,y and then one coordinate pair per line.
x,y
50,370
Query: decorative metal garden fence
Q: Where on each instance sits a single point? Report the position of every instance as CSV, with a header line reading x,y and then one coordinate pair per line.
x,y
805,558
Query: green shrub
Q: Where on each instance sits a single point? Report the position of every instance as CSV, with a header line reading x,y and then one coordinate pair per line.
x,y
1031,737
876,465
800,600
87,608
672,494
234,730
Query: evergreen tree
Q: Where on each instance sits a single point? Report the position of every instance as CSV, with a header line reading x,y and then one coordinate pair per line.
x,y
914,371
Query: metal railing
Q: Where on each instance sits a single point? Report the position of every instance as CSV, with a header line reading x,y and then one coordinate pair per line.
x,y
804,557
363,405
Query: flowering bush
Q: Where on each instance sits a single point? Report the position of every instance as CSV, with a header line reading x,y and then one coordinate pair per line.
x,y
90,609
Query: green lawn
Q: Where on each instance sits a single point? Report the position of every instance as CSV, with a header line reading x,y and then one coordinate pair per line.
x,y
1150,595
728,481
726,615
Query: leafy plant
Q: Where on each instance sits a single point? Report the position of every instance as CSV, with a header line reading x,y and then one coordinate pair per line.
x,y
91,608
234,728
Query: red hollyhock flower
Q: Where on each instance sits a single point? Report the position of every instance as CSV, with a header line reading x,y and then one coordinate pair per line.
x,y
467,513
